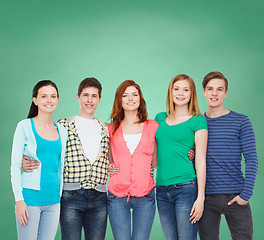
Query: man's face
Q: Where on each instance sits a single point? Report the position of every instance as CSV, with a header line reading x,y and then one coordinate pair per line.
x,y
215,92
88,100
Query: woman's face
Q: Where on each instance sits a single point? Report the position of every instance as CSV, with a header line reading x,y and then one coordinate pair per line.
x,y
130,99
181,93
47,99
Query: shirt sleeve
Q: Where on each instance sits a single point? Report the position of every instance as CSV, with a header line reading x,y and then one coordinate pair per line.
x,y
16,161
200,123
248,147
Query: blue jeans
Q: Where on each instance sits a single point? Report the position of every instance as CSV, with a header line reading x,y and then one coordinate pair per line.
x,y
42,225
83,208
120,216
174,205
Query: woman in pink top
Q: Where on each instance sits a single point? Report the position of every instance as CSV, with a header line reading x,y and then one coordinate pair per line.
x,y
132,141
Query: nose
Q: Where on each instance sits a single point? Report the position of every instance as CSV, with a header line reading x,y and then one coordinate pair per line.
x,y
49,99
89,98
214,92
130,97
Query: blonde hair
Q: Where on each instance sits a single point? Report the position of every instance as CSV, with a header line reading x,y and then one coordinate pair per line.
x,y
192,104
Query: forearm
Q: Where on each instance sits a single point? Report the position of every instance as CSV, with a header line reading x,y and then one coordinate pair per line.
x,y
200,166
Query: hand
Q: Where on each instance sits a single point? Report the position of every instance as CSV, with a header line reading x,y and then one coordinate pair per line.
x,y
29,165
239,201
191,154
112,169
152,171
22,212
197,210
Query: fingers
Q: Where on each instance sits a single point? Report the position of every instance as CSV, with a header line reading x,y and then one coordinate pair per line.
x,y
232,201
27,158
112,169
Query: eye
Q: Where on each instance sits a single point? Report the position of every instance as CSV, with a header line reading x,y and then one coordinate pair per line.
x,y
186,90
54,96
135,94
221,90
124,95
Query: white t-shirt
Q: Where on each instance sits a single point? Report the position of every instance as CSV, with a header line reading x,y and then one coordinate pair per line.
x,y
132,141
89,131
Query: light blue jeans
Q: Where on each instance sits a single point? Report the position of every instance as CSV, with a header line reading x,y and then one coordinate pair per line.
x,y
42,225
174,205
142,216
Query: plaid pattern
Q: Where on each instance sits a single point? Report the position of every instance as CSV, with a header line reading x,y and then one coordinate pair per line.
x,y
77,167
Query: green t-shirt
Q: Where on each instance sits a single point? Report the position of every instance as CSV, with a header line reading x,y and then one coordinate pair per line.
x,y
173,144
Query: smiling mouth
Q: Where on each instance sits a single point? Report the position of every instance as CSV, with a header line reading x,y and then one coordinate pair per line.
x,y
214,99
89,105
180,98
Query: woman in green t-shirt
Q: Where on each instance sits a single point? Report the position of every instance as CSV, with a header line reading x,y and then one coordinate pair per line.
x,y
180,202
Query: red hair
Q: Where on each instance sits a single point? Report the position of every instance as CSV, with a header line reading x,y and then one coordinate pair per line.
x,y
117,114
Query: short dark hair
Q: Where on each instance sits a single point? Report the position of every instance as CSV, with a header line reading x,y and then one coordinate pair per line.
x,y
90,82
214,75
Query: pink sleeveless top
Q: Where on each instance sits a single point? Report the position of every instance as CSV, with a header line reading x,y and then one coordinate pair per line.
x,y
133,178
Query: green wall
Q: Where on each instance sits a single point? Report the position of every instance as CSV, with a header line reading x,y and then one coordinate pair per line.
x,y
147,41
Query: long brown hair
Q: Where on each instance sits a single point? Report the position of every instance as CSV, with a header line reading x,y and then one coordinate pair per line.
x,y
117,114
193,103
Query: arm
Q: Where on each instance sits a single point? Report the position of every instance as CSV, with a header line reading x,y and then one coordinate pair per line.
x,y
248,147
200,166
16,159
111,168
154,159
29,165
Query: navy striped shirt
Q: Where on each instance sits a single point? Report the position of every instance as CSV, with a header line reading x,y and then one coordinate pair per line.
x,y
230,136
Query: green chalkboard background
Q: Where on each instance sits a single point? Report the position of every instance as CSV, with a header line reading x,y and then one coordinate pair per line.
x,y
147,41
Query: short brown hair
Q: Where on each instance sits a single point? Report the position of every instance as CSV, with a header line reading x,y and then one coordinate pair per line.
x,y
90,82
193,103
214,75
118,112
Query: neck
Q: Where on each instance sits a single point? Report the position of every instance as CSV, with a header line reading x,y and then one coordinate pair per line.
x,y
130,117
86,115
44,118
216,111
181,111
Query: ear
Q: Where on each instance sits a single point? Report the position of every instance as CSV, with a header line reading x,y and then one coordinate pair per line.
x,y
226,93
204,92
34,101
78,97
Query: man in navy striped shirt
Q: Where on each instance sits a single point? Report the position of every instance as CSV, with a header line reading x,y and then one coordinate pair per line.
x,y
230,135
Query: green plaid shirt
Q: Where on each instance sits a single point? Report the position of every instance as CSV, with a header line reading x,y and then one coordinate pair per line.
x,y
77,167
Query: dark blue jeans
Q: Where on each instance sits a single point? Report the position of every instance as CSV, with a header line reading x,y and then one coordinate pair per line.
x,y
83,208
174,205
142,216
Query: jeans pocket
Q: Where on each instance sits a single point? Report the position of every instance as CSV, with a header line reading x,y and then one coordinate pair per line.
x,y
151,195
185,184
102,196
111,196
68,195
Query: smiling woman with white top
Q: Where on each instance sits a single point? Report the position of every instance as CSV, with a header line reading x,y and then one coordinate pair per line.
x,y
37,193
132,141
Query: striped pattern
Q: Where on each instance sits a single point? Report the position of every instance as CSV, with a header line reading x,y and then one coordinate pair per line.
x,y
229,137
77,167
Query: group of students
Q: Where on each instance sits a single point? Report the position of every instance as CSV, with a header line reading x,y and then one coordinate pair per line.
x,y
198,157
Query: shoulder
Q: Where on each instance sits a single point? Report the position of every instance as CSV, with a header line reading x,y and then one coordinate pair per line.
x,y
65,121
152,123
62,129
199,118
160,116
24,123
